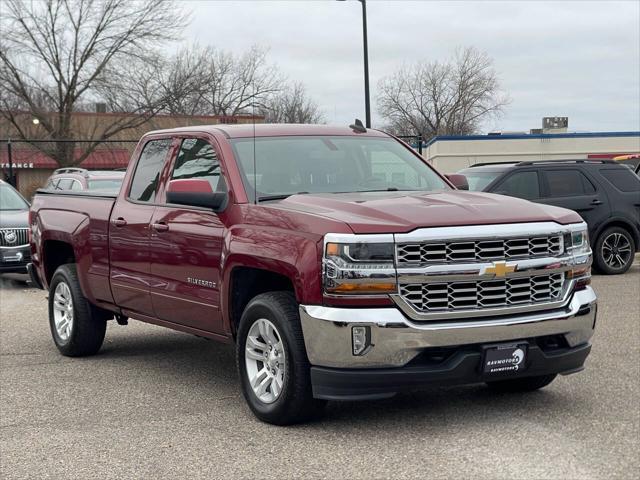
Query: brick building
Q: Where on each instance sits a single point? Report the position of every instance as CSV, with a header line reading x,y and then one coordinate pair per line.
x,y
32,167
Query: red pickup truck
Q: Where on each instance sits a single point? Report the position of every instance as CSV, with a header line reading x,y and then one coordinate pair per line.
x,y
341,265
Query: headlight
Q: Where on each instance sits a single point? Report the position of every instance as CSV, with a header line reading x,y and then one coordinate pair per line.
x,y
360,252
577,245
359,265
579,241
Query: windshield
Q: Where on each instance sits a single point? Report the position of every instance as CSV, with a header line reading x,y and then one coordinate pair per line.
x,y
105,184
478,181
330,164
11,200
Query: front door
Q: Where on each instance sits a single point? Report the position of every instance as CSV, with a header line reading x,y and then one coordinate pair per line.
x,y
129,231
186,245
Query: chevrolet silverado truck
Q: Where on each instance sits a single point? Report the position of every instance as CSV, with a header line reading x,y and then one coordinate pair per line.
x,y
339,263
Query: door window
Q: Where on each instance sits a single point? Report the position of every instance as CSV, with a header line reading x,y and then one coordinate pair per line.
x,y
568,183
64,184
520,184
144,185
622,178
75,185
198,159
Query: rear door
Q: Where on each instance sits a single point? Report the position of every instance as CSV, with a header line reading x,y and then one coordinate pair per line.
x,y
129,230
571,188
520,183
186,246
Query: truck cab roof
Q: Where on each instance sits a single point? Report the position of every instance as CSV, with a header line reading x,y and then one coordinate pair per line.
x,y
248,130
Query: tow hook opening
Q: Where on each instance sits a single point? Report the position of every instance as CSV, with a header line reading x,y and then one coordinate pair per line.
x,y
584,310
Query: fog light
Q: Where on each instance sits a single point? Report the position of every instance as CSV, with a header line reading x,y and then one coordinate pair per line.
x,y
361,337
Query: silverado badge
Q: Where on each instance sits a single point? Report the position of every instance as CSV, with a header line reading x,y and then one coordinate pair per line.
x,y
500,269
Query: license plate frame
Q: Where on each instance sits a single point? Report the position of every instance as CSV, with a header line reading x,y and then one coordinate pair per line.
x,y
505,359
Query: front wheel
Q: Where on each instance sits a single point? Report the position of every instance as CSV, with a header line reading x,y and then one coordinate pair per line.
x,y
526,384
272,361
77,327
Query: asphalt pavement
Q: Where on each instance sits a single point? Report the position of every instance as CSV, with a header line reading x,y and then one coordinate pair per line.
x,y
160,404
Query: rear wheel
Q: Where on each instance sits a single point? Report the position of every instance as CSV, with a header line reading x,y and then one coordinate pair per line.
x,y
77,327
614,251
272,361
526,384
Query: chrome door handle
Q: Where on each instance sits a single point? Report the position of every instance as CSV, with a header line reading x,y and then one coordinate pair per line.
x,y
160,227
596,202
119,222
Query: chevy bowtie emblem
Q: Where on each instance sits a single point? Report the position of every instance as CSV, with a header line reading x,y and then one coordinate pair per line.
x,y
500,269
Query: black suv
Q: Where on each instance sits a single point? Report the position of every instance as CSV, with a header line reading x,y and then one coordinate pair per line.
x,y
604,193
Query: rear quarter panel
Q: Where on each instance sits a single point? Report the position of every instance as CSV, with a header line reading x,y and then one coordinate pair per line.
x,y
81,221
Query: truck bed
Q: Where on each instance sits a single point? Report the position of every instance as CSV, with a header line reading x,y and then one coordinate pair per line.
x,y
81,219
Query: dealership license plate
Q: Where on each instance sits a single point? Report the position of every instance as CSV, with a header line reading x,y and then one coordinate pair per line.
x,y
505,358
13,257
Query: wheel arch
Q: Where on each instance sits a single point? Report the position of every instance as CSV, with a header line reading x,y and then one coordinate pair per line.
x,y
622,223
54,254
246,282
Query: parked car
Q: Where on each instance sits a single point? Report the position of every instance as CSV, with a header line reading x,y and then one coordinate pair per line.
x,y
605,193
341,265
15,252
81,179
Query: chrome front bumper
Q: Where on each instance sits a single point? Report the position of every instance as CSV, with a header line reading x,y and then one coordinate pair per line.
x,y
396,339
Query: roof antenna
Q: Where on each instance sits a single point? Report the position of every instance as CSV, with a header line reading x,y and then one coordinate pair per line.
x,y
255,162
358,127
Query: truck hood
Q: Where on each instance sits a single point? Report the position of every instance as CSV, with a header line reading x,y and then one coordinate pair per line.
x,y
14,218
398,212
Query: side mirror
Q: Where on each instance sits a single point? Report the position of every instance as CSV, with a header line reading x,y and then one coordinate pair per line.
x,y
196,193
459,181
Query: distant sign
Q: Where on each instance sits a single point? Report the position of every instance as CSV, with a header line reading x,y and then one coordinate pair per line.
x,y
17,165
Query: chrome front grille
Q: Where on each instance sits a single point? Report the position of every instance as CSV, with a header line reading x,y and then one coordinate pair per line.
x,y
14,237
478,250
469,295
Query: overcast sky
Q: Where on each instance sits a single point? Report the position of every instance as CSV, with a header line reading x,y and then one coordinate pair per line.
x,y
575,59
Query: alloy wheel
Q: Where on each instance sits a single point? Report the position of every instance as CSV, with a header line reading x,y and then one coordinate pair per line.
x,y
265,360
616,250
63,311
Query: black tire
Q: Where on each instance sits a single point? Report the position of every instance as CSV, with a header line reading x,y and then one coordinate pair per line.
x,y
600,254
89,323
526,384
295,402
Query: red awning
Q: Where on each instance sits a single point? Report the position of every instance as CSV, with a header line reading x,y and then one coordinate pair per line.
x,y
98,159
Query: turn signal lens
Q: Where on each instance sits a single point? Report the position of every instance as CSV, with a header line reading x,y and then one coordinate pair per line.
x,y
582,275
578,272
332,249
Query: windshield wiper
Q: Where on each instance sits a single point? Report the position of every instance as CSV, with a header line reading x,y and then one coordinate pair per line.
x,y
266,198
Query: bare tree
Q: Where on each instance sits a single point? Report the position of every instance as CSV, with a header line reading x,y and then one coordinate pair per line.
x,y
58,55
183,81
292,105
438,98
241,84
209,81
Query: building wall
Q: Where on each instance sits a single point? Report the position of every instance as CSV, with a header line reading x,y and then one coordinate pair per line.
x,y
86,126
450,154
29,180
